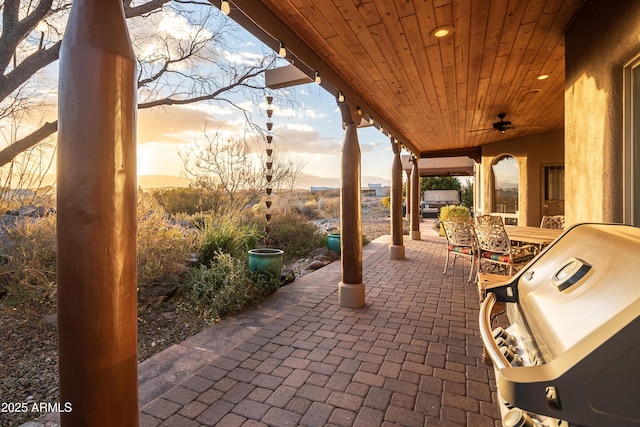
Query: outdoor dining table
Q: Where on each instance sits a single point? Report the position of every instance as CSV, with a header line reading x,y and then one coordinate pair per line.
x,y
532,235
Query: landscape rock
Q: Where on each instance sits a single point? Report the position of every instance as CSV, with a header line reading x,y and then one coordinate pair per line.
x,y
314,265
323,252
287,276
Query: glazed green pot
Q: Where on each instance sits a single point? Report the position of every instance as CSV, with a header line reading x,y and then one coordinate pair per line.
x,y
333,242
266,259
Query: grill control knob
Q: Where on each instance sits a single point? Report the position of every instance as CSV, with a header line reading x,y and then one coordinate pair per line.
x,y
516,417
511,356
499,332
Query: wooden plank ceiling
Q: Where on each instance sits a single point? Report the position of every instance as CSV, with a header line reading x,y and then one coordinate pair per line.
x,y
433,94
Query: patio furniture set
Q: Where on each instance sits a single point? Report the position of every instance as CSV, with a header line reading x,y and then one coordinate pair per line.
x,y
495,248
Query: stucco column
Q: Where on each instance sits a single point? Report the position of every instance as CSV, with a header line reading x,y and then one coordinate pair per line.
x,y
396,249
408,198
96,225
350,289
415,200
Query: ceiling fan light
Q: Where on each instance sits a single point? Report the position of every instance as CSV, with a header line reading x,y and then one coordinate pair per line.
x,y
441,32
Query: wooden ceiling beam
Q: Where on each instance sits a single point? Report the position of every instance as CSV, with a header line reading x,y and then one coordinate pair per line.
x,y
260,20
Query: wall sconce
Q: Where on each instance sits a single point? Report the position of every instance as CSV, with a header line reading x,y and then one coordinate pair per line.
x,y
225,7
283,50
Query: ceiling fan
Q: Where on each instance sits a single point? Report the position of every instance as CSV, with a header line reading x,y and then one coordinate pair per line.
x,y
501,125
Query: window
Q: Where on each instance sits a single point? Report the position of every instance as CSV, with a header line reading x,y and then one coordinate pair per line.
x,y
553,190
505,185
632,144
554,182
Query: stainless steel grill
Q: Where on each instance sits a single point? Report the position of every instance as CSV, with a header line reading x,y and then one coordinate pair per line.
x,y
571,353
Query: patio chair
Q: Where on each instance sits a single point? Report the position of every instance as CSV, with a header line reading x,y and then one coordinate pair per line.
x,y
494,248
555,222
460,242
489,220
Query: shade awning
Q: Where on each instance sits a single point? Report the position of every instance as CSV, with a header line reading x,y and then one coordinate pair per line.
x,y
441,166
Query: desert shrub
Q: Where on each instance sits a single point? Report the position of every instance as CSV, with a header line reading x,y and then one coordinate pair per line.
x,y
227,235
330,207
296,236
27,270
225,286
187,200
163,246
309,209
386,202
453,212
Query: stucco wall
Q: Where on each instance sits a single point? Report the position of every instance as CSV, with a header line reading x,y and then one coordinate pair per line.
x,y
531,152
602,38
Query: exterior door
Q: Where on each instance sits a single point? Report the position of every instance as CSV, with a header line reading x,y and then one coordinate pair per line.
x,y
553,186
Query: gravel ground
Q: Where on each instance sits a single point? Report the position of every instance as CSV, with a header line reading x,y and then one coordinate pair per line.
x,y
29,356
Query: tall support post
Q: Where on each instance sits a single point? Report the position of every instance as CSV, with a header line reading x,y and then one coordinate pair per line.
x,y
96,229
415,200
396,249
350,289
408,198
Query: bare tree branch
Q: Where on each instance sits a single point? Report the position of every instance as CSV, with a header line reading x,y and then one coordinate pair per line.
x,y
185,68
11,151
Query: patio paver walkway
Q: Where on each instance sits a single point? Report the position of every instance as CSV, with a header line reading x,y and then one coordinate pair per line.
x,y
410,357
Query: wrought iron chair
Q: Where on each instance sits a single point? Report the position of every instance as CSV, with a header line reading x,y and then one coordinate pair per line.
x,y
555,222
460,242
494,248
489,220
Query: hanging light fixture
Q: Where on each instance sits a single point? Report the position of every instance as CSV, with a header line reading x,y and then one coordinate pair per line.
x,y
283,50
318,79
225,7
359,110
341,97
371,120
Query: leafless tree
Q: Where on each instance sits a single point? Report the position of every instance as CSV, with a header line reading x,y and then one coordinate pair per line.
x,y
236,167
175,68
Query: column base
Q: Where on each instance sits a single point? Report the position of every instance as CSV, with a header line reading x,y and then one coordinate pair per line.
x,y
415,235
351,296
396,252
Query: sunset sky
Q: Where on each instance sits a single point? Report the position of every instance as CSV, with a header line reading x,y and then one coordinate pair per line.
x,y
310,130
307,121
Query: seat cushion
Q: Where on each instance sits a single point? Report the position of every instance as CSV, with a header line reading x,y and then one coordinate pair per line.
x,y
496,256
461,249
500,257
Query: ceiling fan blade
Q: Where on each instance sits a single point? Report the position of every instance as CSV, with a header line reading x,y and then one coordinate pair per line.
x,y
482,131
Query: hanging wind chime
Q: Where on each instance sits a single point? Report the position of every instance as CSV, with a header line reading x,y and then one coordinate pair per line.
x,y
268,172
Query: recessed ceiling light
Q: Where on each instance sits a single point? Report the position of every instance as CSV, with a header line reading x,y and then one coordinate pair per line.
x,y
441,32
543,77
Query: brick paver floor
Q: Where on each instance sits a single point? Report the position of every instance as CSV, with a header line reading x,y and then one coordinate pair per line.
x,y
410,357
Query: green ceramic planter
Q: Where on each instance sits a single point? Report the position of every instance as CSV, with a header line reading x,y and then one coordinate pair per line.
x,y
266,259
333,242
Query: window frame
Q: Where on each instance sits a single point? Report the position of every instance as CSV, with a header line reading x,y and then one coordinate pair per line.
x,y
631,145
